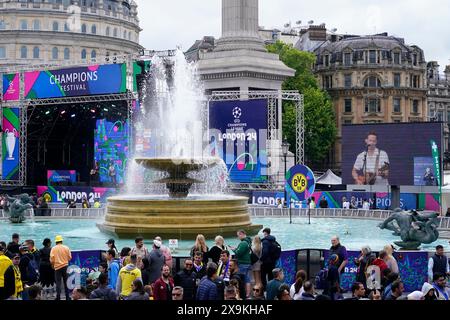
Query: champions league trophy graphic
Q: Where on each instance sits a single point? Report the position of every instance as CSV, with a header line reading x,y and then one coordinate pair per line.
x,y
10,143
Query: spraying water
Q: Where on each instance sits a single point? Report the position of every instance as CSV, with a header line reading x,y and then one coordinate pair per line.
x,y
173,117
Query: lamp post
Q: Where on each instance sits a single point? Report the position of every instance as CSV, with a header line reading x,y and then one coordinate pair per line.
x,y
285,148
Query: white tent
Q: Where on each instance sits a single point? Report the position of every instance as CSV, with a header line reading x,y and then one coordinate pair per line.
x,y
329,178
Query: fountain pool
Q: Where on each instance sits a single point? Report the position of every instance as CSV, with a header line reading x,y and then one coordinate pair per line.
x,y
84,235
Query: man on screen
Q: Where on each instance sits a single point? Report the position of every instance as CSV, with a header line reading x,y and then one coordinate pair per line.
x,y
428,177
372,165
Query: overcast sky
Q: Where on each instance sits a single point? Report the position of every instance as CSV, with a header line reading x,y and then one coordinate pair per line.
x,y
169,23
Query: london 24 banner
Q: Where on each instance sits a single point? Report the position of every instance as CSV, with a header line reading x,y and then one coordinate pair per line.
x,y
80,81
238,135
11,87
11,143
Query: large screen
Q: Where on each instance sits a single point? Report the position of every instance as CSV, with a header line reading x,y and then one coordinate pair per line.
x,y
390,154
111,146
238,134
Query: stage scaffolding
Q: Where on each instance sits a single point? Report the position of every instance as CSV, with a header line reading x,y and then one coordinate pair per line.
x,y
275,134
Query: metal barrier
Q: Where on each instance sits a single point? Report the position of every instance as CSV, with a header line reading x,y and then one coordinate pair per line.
x,y
65,213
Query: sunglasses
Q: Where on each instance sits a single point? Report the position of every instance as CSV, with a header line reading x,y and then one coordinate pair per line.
x,y
176,294
256,289
188,264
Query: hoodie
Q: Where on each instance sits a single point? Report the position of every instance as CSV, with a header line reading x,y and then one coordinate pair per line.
x,y
267,242
127,275
426,288
243,251
156,260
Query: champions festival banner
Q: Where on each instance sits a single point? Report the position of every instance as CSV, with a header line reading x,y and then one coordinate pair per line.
x,y
11,90
408,201
55,176
11,143
62,194
80,81
238,134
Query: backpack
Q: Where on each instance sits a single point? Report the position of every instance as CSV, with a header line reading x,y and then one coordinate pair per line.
x,y
32,271
253,257
321,279
275,251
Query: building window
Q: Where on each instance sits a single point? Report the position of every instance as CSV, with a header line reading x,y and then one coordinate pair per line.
x,y
23,25
93,54
55,53
129,35
94,29
326,60
124,34
36,52
83,54
55,26
415,59
448,116
37,25
348,80
348,121
327,82
83,28
396,57
397,80
347,59
373,105
66,54
372,56
397,105
347,105
415,81
2,25
372,82
415,106
2,52
23,52
66,27
108,31
116,32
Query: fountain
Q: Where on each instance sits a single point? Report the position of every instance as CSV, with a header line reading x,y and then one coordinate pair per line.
x,y
175,115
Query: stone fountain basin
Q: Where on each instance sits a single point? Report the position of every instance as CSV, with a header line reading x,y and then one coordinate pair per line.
x,y
178,164
149,216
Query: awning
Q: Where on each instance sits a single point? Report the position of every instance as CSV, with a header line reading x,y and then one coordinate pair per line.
x,y
329,178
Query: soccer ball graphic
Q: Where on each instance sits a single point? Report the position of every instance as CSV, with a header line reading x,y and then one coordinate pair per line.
x,y
237,113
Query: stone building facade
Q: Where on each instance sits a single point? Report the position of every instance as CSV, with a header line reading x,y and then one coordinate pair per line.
x,y
372,79
439,98
64,31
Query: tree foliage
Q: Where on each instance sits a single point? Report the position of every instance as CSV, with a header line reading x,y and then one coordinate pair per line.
x,y
320,124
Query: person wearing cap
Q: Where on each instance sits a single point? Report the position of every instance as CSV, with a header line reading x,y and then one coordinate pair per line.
x,y
7,282
156,260
14,246
127,275
17,277
60,257
29,268
112,246
166,252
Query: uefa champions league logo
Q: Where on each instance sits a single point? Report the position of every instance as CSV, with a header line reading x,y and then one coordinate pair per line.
x,y
237,113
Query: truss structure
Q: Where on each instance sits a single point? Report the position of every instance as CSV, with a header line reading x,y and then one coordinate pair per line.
x,y
274,99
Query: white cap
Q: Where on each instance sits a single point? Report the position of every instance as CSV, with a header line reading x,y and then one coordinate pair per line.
x,y
416,295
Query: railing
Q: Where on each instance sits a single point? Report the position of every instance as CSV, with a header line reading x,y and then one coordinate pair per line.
x,y
63,213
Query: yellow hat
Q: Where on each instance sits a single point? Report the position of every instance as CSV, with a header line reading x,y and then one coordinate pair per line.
x,y
58,239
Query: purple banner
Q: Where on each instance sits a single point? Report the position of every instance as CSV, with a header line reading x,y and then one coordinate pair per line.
x,y
61,176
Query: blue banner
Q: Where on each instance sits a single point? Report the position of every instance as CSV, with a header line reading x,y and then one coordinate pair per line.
x,y
238,135
56,176
82,264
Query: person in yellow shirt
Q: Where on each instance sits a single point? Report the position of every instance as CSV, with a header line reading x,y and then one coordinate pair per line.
x,y
6,288
17,276
127,275
60,257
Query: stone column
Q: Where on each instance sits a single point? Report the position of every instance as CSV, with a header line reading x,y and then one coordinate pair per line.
x,y
240,26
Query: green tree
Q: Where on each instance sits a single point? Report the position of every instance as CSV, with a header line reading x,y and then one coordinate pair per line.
x,y
320,124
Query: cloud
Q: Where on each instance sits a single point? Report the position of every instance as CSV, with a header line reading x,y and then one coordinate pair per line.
x,y
170,23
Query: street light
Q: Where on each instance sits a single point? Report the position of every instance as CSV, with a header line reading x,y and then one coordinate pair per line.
x,y
285,148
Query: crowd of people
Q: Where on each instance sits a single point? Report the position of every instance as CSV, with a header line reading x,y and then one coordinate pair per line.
x,y
248,270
